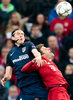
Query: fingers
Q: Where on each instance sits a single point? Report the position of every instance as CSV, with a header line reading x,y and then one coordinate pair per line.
x,y
40,63
3,82
45,62
34,60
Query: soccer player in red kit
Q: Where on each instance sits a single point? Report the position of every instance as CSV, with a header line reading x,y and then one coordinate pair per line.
x,y
50,74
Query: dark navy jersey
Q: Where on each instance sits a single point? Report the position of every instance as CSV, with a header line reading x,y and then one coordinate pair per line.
x,y
29,83
17,58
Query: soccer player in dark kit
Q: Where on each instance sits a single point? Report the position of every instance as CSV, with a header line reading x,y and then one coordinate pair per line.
x,y
30,84
50,74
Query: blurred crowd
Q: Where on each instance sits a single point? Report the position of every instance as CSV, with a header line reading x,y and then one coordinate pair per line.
x,y
41,24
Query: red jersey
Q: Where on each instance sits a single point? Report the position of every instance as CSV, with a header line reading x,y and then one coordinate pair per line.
x,y
67,24
49,73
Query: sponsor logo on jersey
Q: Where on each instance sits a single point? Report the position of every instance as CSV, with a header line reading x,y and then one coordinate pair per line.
x,y
22,57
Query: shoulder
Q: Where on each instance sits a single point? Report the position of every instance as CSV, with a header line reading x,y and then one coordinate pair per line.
x,y
11,8
11,51
69,19
11,5
28,43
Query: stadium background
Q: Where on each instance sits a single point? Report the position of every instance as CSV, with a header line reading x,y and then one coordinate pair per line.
x,y
39,21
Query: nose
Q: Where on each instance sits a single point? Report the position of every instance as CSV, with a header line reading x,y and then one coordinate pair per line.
x,y
21,35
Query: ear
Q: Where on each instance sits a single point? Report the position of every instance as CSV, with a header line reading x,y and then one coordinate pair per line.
x,y
13,38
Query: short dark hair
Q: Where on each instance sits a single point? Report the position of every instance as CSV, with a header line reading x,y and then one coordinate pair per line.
x,y
39,48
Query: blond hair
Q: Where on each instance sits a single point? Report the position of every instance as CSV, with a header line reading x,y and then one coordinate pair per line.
x,y
10,22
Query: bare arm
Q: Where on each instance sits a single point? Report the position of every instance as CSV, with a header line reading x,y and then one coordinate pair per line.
x,y
30,66
7,75
37,57
36,53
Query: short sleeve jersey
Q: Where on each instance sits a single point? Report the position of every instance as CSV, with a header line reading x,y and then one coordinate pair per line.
x,y
17,58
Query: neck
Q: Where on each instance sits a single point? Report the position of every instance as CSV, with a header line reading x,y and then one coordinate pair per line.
x,y
47,57
17,44
62,18
41,24
35,37
6,6
71,58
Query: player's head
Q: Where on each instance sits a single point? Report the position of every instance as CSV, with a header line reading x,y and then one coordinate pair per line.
x,y
46,52
18,36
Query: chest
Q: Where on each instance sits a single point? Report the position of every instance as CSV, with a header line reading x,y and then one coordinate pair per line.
x,y
21,55
48,70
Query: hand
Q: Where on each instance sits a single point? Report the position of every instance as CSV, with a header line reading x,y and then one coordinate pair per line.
x,y
34,60
39,61
3,81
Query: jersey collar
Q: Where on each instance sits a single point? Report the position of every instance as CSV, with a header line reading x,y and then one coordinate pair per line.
x,y
45,58
23,44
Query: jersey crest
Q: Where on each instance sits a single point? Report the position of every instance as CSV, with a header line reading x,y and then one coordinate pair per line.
x,y
23,49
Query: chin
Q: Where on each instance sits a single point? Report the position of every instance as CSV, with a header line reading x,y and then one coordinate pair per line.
x,y
21,42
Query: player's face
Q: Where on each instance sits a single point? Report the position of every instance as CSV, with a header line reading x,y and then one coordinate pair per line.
x,y
19,35
47,52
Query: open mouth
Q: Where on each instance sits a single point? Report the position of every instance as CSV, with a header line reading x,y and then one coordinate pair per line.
x,y
21,39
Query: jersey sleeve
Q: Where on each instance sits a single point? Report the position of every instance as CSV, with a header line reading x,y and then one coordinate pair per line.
x,y
32,46
8,61
29,67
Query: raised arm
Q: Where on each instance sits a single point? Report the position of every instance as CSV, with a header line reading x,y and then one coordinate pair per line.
x,y
8,73
36,54
37,57
29,67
